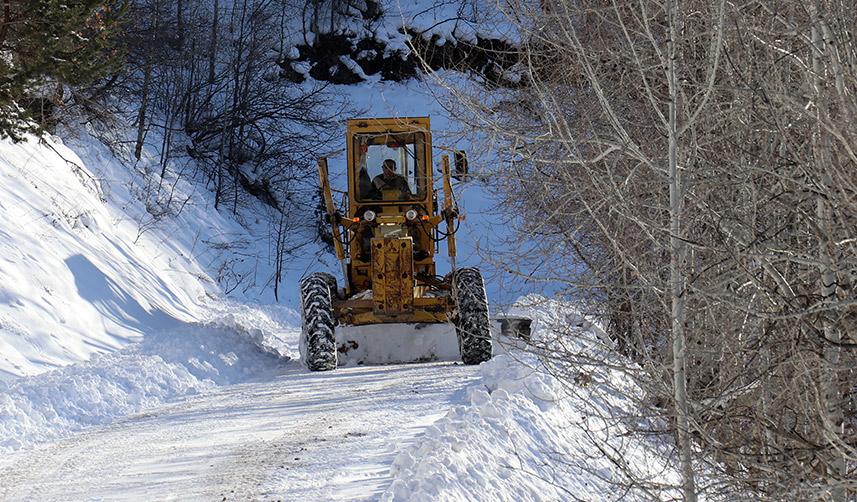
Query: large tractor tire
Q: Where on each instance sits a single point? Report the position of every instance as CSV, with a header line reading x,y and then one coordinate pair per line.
x,y
470,316
317,343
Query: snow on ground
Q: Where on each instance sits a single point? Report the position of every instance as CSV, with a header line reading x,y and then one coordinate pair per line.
x,y
521,434
95,255
200,412
296,436
169,364
72,280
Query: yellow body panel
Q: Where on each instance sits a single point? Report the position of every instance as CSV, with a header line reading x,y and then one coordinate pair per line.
x,y
393,276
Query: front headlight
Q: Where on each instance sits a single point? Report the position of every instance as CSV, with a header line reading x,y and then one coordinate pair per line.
x,y
411,215
369,215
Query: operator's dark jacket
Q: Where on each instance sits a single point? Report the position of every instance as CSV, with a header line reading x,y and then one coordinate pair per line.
x,y
397,181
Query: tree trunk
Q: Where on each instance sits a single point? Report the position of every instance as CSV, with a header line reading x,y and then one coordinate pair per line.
x,y
189,102
147,83
280,255
236,140
180,21
832,400
678,255
144,103
212,50
7,19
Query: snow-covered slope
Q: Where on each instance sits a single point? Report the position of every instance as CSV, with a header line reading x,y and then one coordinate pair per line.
x,y
96,254
93,276
76,276
237,345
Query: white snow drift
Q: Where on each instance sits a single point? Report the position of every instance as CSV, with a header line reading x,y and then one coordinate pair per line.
x,y
521,434
76,278
168,364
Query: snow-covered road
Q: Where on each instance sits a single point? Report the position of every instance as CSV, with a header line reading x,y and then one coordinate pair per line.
x,y
300,436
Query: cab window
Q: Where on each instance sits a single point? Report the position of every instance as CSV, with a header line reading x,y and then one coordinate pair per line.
x,y
404,156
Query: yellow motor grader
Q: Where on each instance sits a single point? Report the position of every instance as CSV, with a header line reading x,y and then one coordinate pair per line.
x,y
386,238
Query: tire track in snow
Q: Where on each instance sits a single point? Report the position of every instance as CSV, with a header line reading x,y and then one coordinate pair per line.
x,y
301,436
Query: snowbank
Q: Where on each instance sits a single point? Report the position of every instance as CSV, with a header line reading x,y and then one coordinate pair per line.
x,y
95,252
76,276
524,435
92,273
233,347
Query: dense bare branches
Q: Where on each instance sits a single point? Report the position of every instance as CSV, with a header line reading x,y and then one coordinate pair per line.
x,y
696,159
207,94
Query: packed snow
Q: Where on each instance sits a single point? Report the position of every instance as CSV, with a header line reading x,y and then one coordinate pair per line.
x,y
167,365
238,422
521,434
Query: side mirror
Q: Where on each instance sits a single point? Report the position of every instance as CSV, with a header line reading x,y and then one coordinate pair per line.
x,y
460,172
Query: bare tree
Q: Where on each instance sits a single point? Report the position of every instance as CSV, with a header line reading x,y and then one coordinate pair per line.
x,y
214,106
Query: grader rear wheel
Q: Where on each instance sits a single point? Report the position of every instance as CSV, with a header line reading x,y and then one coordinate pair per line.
x,y
317,343
470,316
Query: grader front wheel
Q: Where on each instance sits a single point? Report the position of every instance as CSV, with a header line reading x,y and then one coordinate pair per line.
x,y
317,343
471,316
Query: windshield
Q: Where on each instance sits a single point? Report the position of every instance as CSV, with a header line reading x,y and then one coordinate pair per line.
x,y
390,166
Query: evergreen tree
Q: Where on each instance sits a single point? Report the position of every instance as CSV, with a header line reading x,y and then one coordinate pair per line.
x,y
47,45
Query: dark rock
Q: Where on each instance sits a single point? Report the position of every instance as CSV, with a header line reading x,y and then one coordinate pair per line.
x,y
488,58
335,72
288,72
372,12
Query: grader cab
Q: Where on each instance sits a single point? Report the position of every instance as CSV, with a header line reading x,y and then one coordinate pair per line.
x,y
386,238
